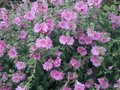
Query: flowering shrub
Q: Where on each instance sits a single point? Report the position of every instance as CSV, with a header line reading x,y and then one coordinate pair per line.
x,y
60,45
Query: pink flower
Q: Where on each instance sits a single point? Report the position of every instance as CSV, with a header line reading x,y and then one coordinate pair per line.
x,y
75,63
57,62
57,75
34,6
81,7
47,65
88,40
49,43
42,8
43,27
20,65
30,15
33,48
12,53
97,87
79,86
95,50
91,2
16,77
37,27
97,3
103,83
44,43
117,85
105,37
2,47
19,88
50,24
95,61
88,83
63,24
89,71
23,34
102,50
4,76
22,76
63,39
98,50
70,40
82,51
90,32
68,15
66,88
17,20
36,56
58,53
3,25
57,2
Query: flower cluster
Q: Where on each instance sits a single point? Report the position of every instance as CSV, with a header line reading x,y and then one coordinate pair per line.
x,y
59,45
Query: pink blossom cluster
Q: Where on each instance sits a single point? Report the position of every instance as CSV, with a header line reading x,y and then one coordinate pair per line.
x,y
57,39
44,43
66,40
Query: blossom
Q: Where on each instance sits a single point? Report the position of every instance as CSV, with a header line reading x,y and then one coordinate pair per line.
x,y
70,40
95,50
42,8
12,53
57,75
63,39
30,15
44,43
34,6
57,2
36,56
68,15
33,48
66,88
88,83
4,76
98,50
17,20
16,77
3,25
19,88
43,27
20,65
50,24
95,61
89,71
47,65
57,62
117,84
88,40
81,7
82,51
103,83
74,63
58,53
79,86
2,47
22,34
63,24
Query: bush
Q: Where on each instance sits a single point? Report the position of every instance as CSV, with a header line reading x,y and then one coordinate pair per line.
x,y
60,45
